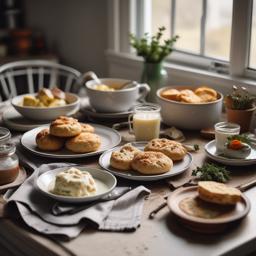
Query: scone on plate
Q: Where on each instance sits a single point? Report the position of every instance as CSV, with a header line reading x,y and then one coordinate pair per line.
x,y
122,158
151,163
87,128
170,148
85,142
48,142
218,193
65,126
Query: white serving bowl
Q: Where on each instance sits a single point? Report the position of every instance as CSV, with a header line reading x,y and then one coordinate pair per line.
x,y
120,100
187,115
47,114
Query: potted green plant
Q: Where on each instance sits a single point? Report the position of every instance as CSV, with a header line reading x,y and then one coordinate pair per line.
x,y
154,50
240,105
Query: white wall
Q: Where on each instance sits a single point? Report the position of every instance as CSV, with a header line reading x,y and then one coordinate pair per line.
x,y
75,29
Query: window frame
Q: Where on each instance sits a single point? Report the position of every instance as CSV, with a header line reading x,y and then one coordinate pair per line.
x,y
121,13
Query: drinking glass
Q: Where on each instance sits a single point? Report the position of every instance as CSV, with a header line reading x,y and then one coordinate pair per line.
x,y
222,131
145,122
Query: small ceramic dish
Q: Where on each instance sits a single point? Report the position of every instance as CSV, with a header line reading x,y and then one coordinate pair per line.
x,y
105,183
44,113
210,149
205,225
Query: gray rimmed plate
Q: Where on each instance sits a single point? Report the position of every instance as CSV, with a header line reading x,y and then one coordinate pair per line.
x,y
105,183
178,167
109,139
210,149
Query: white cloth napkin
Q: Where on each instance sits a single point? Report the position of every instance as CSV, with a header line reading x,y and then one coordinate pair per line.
x,y
35,209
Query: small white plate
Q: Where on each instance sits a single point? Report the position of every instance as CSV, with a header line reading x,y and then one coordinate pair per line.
x,y
15,121
210,149
109,139
178,167
105,182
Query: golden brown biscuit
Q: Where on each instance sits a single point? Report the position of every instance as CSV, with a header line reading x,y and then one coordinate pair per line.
x,y
189,96
171,94
83,143
170,148
46,141
151,163
218,193
45,96
87,128
122,159
206,94
65,127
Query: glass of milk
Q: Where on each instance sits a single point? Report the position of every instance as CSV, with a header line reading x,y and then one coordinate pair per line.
x,y
222,131
145,122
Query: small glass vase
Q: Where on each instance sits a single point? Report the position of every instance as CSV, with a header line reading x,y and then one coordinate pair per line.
x,y
155,76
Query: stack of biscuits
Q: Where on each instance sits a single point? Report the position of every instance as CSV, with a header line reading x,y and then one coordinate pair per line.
x,y
199,95
157,158
69,133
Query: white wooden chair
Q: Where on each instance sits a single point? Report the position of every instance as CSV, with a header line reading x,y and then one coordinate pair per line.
x,y
29,76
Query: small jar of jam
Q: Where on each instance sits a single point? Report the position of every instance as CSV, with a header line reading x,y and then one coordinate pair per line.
x,y
9,162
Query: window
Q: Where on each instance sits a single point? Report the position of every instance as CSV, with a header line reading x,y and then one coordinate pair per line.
x,y
215,36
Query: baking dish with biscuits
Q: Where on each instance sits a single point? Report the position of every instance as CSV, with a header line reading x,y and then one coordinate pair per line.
x,y
189,107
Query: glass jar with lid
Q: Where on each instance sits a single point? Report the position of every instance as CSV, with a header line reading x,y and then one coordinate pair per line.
x,y
9,162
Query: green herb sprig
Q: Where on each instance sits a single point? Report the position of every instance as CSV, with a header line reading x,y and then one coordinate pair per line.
x,y
242,137
150,47
211,172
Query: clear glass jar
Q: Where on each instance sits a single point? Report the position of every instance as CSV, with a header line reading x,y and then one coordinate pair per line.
x,y
222,131
146,121
9,162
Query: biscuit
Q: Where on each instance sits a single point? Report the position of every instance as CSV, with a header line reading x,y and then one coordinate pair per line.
x,y
151,163
218,193
85,142
87,128
122,159
65,127
170,148
171,94
46,141
206,94
189,96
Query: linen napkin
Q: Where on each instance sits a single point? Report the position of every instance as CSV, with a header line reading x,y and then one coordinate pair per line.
x,y
35,209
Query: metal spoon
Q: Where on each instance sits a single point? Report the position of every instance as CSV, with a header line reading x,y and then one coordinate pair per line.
x,y
64,208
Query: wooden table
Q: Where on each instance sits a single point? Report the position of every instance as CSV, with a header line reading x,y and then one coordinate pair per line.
x,y
160,236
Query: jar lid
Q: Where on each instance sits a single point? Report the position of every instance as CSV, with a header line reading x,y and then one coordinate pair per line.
x,y
5,135
7,149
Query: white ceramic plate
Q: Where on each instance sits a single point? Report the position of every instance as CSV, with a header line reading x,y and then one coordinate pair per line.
x,y
178,167
94,114
210,149
105,183
109,139
15,121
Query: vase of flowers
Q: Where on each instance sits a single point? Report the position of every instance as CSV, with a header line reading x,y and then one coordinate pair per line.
x,y
240,106
153,51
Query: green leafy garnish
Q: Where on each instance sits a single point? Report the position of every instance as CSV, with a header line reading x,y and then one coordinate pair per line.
x,y
196,147
242,137
211,172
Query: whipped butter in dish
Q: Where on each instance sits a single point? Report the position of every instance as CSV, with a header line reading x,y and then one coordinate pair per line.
x,y
74,183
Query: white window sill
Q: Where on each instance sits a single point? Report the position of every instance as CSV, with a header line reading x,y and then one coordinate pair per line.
x,y
129,66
